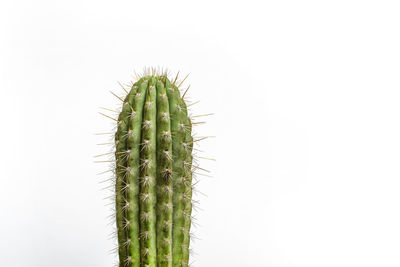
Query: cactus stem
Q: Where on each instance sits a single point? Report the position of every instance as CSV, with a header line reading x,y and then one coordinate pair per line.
x,y
153,170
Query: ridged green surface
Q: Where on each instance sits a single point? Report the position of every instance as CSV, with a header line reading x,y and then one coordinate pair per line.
x,y
154,176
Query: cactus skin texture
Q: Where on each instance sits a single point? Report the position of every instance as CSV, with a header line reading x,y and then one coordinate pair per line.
x,y
153,176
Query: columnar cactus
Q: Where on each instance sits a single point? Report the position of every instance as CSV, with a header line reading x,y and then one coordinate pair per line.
x,y
153,175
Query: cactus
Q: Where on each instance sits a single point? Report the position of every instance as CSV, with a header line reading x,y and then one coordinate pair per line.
x,y
153,167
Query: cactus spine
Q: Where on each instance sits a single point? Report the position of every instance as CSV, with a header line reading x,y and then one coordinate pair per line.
x,y
153,175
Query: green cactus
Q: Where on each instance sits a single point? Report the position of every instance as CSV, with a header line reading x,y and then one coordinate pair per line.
x,y
153,175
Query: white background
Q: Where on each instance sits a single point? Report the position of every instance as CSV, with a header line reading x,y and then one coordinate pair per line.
x,y
306,96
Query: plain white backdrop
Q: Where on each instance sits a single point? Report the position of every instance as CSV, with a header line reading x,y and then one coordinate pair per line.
x,y
306,96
